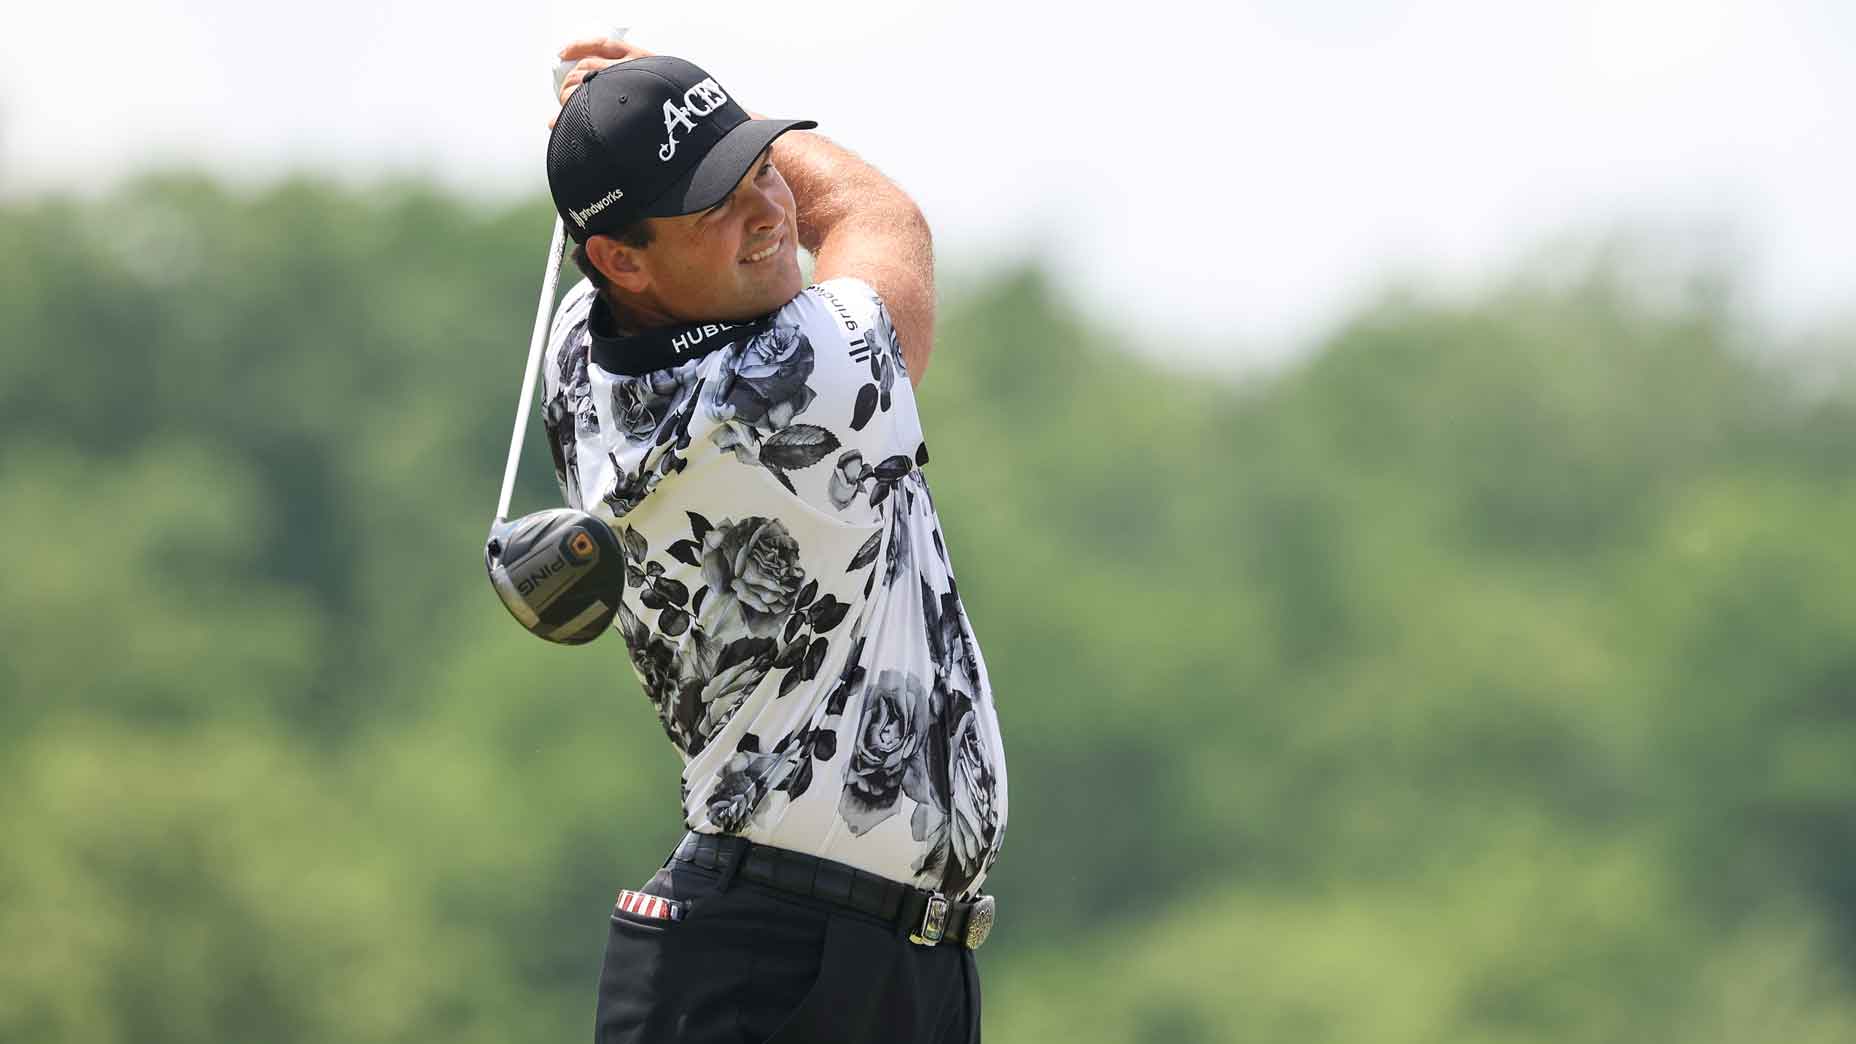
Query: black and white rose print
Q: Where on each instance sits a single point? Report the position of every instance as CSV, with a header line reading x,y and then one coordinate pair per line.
x,y
642,405
750,614
765,388
760,391
876,396
923,739
745,782
739,596
853,477
753,568
885,749
750,776
568,414
975,827
654,410
960,817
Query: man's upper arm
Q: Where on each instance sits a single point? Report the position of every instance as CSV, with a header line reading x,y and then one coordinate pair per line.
x,y
889,247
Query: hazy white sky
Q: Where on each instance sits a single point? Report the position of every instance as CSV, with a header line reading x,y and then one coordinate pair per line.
x,y
1232,173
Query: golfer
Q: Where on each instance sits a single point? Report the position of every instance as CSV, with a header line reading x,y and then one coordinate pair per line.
x,y
789,605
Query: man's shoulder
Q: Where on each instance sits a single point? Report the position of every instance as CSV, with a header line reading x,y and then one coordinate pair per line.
x,y
567,335
846,302
575,308
847,310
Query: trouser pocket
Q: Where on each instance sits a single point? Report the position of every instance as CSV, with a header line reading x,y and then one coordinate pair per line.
x,y
665,977
632,978
842,1005
731,969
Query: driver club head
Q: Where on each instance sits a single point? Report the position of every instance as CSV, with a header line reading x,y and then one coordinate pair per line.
x,y
560,573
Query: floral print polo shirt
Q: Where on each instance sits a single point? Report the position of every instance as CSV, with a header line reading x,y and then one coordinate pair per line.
x,y
790,608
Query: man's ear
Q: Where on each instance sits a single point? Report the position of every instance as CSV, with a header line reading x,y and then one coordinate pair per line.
x,y
623,266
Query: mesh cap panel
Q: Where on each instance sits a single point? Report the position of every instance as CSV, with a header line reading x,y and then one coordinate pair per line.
x,y
573,153
574,141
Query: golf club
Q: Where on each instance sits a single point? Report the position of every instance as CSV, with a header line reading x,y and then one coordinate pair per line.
x,y
559,572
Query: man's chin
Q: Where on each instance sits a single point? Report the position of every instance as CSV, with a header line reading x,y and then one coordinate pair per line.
x,y
783,289
758,298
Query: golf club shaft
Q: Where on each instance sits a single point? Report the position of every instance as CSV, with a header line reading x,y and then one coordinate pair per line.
x,y
543,313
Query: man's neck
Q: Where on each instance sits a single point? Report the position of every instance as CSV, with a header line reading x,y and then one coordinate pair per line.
x,y
625,318
634,352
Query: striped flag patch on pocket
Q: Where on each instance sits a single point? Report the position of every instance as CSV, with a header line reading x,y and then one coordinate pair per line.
x,y
641,905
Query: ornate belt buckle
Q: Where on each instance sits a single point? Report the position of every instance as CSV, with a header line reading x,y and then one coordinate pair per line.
x,y
934,922
979,921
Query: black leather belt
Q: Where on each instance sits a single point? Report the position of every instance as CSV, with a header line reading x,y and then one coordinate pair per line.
x,y
927,918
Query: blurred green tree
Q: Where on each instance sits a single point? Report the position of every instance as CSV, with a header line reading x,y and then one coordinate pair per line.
x,y
1485,675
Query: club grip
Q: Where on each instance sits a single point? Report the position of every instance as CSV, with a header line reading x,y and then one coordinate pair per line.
x,y
563,67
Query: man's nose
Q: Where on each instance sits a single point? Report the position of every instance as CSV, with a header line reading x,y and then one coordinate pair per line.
x,y
767,212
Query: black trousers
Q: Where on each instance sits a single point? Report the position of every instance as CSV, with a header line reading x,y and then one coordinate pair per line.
x,y
750,965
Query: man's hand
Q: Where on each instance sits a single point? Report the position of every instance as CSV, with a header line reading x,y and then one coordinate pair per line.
x,y
591,54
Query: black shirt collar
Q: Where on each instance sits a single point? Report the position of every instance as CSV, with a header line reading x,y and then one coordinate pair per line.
x,y
660,347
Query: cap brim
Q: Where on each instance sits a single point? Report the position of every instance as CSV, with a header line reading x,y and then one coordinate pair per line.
x,y
712,179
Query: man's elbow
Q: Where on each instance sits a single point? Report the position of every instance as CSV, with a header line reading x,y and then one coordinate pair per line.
x,y
916,232
899,220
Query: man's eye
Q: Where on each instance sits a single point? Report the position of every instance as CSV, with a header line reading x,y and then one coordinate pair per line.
x,y
766,169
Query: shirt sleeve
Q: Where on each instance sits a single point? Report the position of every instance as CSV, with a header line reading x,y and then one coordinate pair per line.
x,y
566,394
862,401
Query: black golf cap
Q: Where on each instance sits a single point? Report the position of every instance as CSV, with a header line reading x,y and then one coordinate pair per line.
x,y
652,137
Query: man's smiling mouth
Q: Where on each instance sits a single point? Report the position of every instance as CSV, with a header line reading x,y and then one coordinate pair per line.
x,y
762,255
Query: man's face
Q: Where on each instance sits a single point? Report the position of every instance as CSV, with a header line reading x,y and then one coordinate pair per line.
x,y
737,260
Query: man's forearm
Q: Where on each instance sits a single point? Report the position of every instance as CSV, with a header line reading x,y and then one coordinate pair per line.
x,y
831,183
855,220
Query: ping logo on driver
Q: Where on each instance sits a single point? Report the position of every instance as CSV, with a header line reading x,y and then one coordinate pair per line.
x,y
544,569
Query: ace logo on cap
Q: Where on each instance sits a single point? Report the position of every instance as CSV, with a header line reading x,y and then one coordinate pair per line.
x,y
708,94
